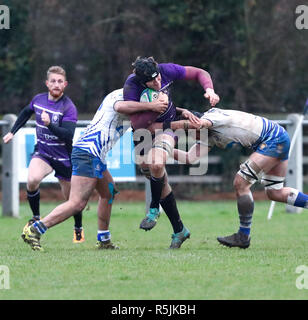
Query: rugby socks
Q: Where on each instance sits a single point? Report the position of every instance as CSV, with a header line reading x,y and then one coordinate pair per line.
x,y
156,190
39,227
245,206
34,201
171,210
78,220
298,199
103,235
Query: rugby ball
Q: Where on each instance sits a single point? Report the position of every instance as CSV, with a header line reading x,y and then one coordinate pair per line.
x,y
144,119
149,95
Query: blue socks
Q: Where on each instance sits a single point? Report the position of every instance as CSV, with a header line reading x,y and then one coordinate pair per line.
x,y
301,200
298,199
245,230
39,227
103,235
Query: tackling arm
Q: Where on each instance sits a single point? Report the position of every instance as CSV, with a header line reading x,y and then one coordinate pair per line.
x,y
138,118
197,151
131,107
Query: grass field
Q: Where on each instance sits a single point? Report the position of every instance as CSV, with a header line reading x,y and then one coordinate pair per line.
x,y
144,268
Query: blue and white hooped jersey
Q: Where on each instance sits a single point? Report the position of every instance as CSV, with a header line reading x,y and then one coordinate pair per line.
x,y
105,129
233,126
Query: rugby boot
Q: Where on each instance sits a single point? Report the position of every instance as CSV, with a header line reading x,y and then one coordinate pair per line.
x,y
106,245
179,238
150,219
30,222
78,236
32,237
238,239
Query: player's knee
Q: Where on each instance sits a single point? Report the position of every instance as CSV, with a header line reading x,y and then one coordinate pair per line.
x,y
33,183
238,184
157,168
78,204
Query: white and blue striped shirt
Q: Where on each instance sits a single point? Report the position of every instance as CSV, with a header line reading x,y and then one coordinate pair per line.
x,y
233,126
105,129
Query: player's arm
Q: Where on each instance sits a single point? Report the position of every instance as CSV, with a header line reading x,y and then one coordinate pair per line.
x,y
24,115
181,124
140,119
131,107
65,132
188,115
205,80
197,151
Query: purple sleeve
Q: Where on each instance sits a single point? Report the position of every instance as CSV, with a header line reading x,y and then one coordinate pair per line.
x,y
200,75
172,71
70,112
132,89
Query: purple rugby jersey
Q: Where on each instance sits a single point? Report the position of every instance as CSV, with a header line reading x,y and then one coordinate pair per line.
x,y
169,72
63,109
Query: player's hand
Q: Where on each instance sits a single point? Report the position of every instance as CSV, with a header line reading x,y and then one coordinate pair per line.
x,y
211,96
45,118
159,105
192,118
8,137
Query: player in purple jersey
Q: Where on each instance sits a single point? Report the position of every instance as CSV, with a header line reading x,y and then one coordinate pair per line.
x,y
56,118
149,74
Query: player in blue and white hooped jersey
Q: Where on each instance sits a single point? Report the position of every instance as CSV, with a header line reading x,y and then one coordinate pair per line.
x,y
267,164
105,129
89,170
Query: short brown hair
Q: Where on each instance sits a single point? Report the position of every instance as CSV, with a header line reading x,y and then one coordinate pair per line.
x,y
57,70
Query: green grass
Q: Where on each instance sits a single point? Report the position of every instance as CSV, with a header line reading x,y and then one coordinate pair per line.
x,y
145,269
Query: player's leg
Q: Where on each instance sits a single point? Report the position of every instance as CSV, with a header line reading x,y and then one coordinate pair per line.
x,y
81,190
78,234
162,147
63,171
37,171
157,157
85,174
107,191
273,182
168,203
249,173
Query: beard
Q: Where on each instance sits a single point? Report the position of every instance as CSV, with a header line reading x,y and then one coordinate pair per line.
x,y
56,93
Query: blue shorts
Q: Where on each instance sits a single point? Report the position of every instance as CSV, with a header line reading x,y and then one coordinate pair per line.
x,y
86,164
277,147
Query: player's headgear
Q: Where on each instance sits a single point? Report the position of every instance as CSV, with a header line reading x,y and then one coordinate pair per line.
x,y
146,69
